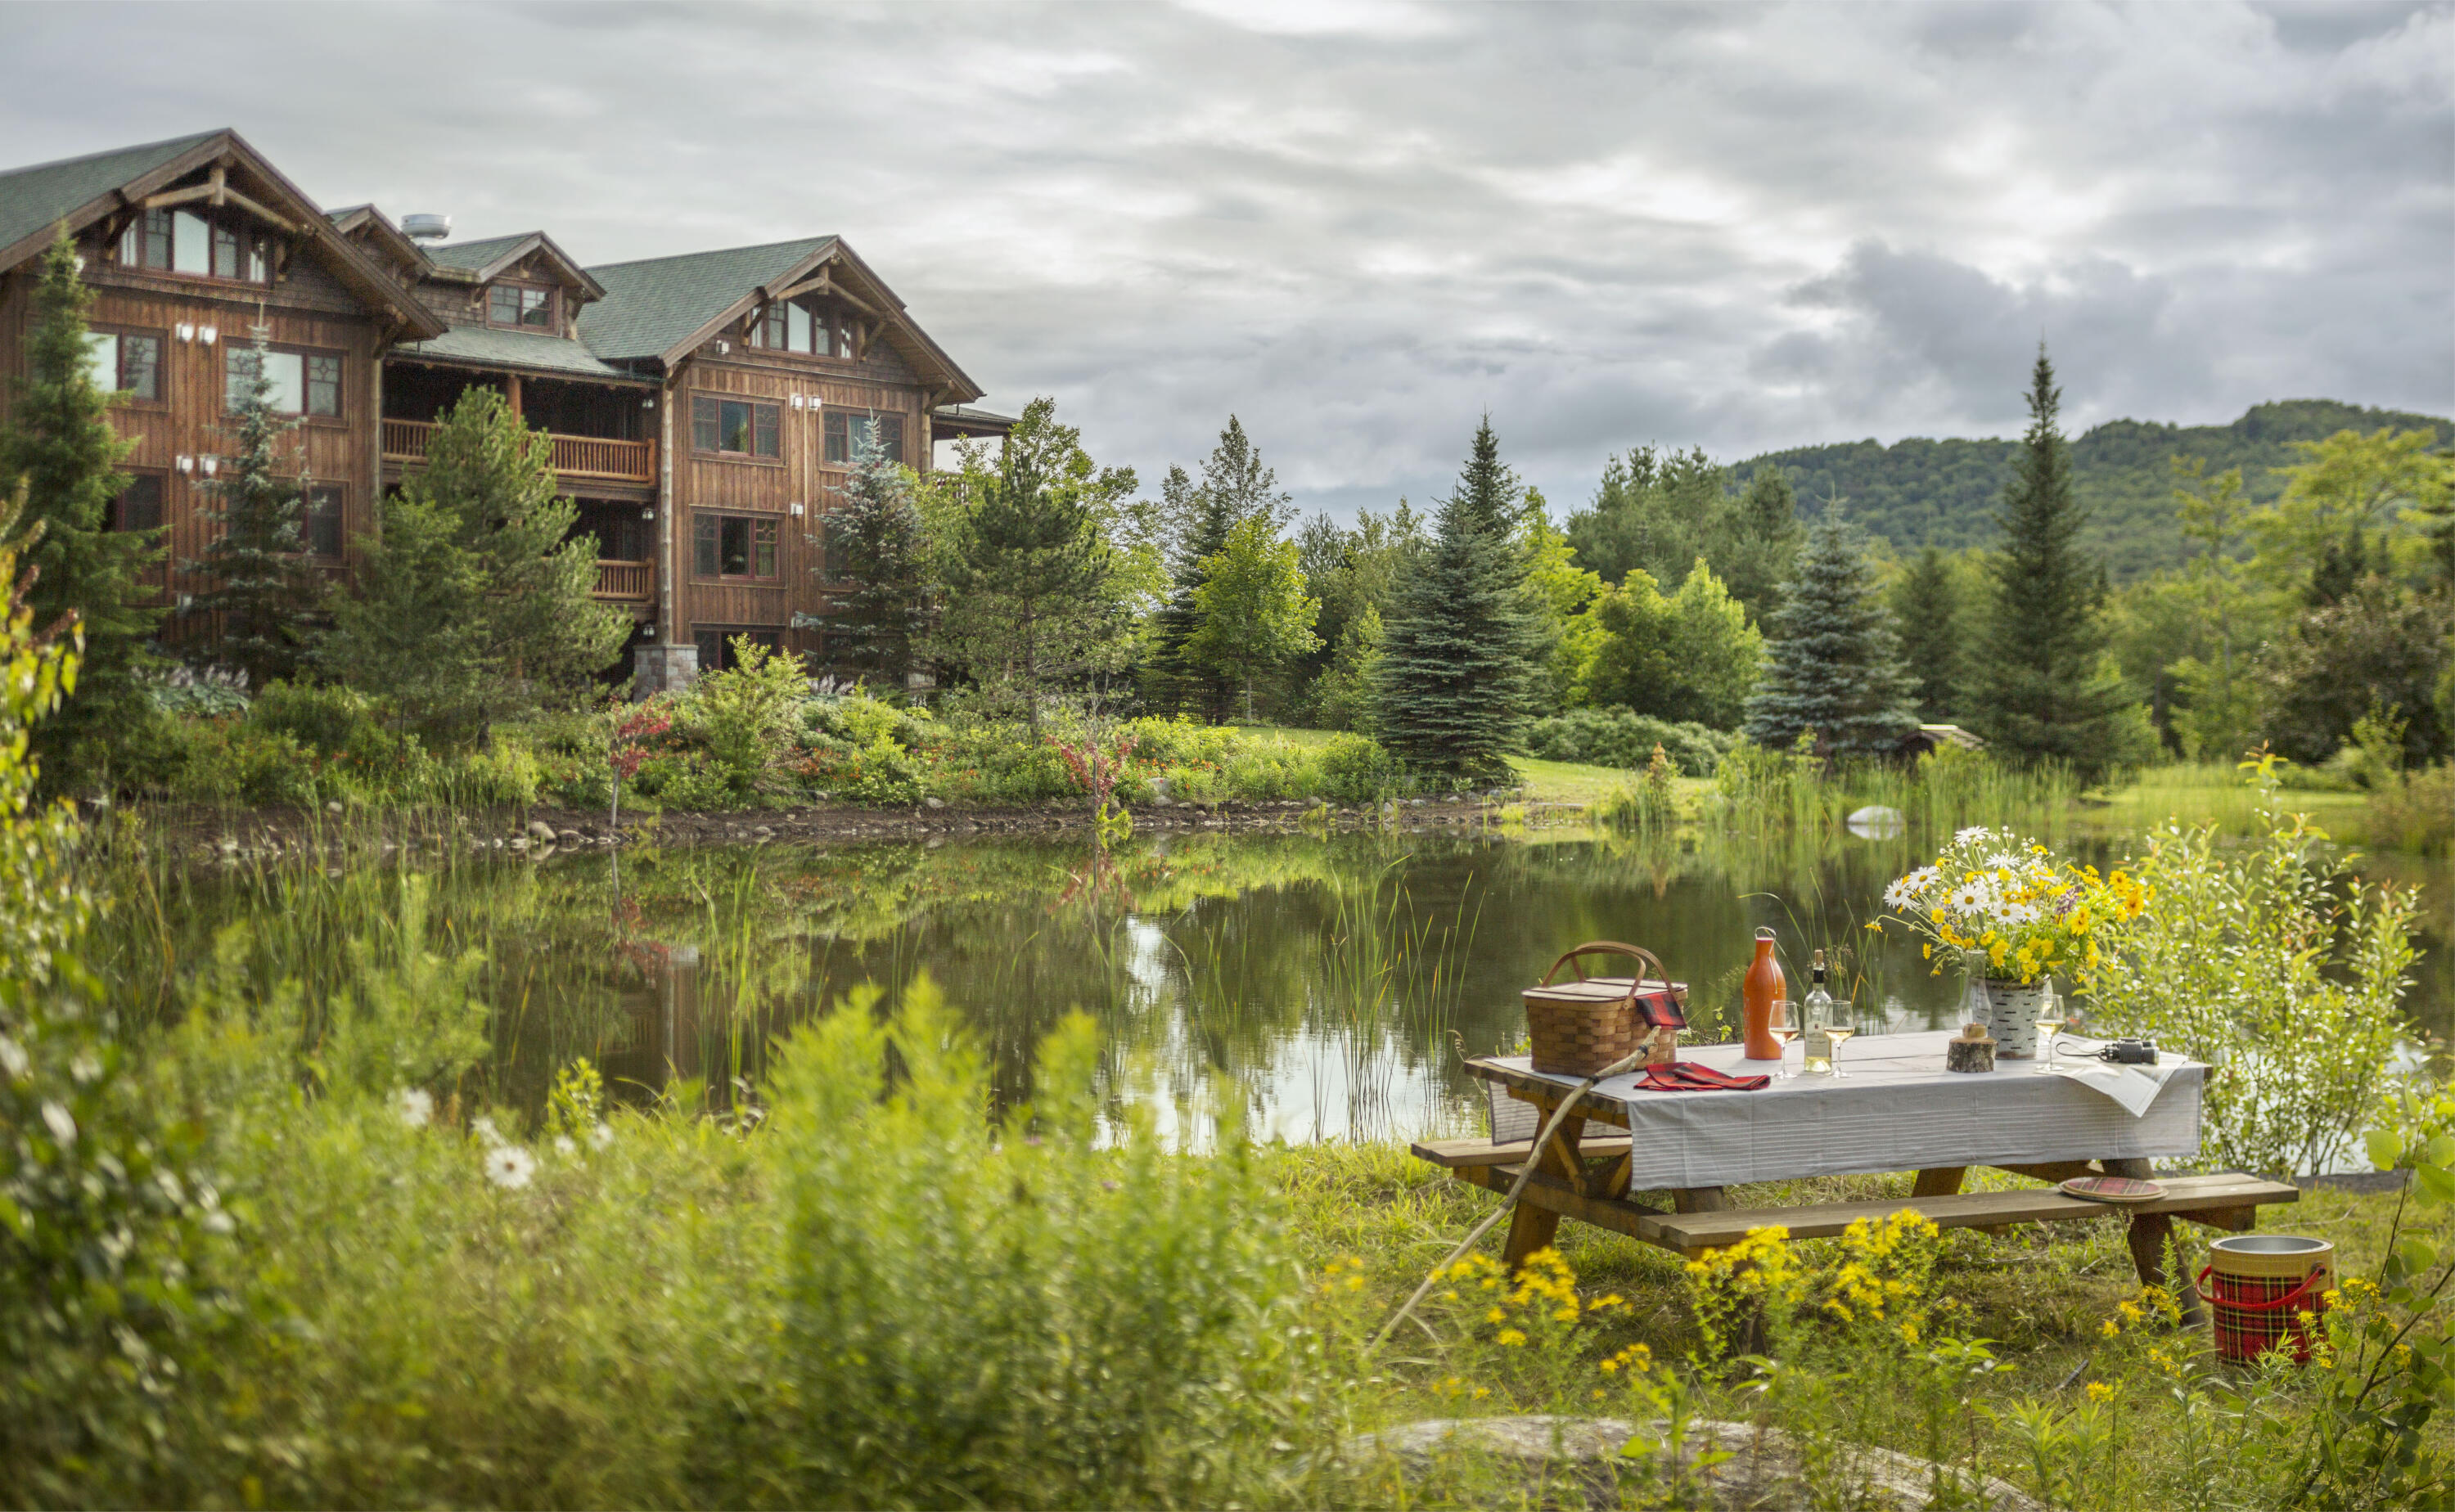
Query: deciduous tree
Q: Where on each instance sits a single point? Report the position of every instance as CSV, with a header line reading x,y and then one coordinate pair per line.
x,y
1252,613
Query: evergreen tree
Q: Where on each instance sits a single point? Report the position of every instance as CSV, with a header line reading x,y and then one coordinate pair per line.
x,y
1926,604
1254,613
1834,666
1460,657
877,541
58,445
1757,550
1235,487
2042,690
476,603
265,590
1032,581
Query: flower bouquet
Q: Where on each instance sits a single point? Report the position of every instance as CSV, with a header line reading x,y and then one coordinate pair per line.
x,y
2016,914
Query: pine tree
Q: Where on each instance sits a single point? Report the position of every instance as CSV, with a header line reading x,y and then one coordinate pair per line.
x,y
1926,604
2043,690
878,542
476,604
265,590
1031,583
1460,657
59,444
1834,666
1235,487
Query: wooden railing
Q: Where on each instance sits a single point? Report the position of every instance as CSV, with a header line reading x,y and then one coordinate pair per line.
x,y
631,582
574,455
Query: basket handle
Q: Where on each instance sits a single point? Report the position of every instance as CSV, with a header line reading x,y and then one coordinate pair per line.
x,y
1610,947
2297,1294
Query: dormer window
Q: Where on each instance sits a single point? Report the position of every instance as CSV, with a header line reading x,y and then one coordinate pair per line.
x,y
524,307
796,327
201,243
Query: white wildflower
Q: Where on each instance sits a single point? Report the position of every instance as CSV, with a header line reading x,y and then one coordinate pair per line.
x,y
13,1059
602,1136
1972,835
563,1144
85,1069
484,1127
510,1167
57,1119
218,1221
414,1105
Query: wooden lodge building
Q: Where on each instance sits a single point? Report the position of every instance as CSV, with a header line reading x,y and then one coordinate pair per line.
x,y
704,409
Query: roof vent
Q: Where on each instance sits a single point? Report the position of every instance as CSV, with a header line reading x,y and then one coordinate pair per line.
x,y
426,228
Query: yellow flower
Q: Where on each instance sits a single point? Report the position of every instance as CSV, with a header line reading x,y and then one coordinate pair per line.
x,y
1511,1338
2109,1328
2099,1391
1495,1316
1481,1392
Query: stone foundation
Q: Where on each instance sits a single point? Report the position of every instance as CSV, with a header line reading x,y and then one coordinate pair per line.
x,y
662,669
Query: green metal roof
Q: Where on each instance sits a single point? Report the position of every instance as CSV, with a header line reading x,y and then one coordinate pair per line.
x,y
32,198
469,256
653,306
490,346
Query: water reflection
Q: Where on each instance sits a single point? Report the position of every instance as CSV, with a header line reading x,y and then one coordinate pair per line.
x,y
1331,985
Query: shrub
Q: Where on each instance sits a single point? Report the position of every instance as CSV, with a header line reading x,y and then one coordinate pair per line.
x,y
2246,959
325,719
1045,1319
1619,737
1354,769
747,714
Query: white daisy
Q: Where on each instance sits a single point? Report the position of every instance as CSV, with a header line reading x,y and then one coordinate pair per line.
x,y
602,1136
484,1127
1972,835
13,1059
510,1167
563,1144
60,1123
414,1105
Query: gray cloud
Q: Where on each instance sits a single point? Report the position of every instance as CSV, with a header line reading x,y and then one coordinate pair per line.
x,y
1362,223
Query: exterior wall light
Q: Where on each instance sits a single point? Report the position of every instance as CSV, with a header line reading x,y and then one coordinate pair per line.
x,y
209,335
185,463
187,333
211,465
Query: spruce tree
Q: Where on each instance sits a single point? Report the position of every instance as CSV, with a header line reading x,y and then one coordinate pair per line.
x,y
878,542
1926,603
59,445
1235,487
264,589
1461,651
476,603
2041,690
1834,667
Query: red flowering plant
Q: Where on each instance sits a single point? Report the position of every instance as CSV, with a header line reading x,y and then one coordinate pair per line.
x,y
1098,773
629,747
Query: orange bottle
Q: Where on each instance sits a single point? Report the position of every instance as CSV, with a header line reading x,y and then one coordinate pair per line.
x,y
1761,990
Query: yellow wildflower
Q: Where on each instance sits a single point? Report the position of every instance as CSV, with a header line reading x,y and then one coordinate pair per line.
x,y
2099,1391
1511,1338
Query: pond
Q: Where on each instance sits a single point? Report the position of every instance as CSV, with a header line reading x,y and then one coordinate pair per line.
x,y
1329,984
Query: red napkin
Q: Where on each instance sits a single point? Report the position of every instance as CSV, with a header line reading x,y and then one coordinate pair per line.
x,y
1690,1076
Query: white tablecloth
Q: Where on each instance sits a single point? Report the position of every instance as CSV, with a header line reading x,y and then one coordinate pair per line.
x,y
1898,1110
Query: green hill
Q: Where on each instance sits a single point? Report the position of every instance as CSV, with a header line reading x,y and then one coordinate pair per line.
x,y
1918,492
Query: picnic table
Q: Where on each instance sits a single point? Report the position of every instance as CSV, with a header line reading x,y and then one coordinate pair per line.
x,y
1663,1176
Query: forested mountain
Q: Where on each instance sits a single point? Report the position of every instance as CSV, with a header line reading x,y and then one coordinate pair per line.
x,y
1916,493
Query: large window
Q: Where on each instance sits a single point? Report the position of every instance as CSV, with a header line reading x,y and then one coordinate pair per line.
x,y
716,646
734,546
797,327
522,307
735,426
127,362
201,241
138,507
847,432
304,382
320,519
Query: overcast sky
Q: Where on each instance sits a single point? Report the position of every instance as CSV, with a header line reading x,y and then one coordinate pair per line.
x,y
1359,224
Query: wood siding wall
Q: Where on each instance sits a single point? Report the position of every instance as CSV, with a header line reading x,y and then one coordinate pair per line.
x,y
764,489
308,308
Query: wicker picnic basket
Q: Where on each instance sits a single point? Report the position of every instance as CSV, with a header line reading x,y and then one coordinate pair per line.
x,y
1579,1027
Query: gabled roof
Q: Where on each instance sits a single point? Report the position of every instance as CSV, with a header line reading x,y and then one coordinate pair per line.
x,y
82,191
493,346
662,308
482,261
351,219
32,200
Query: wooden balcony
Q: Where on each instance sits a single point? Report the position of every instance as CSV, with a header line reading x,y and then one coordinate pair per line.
x,y
579,457
626,582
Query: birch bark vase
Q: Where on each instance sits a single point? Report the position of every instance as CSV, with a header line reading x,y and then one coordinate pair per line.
x,y
2012,1017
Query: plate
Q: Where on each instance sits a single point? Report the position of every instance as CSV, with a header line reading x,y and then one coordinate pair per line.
x,y
2115,1189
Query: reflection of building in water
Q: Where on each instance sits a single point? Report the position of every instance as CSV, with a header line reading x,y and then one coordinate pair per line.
x,y
665,1044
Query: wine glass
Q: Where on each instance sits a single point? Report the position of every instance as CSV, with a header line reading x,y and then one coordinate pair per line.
x,y
1840,1022
1784,1027
2051,1015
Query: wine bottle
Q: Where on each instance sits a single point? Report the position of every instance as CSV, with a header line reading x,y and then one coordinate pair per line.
x,y
1820,1037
